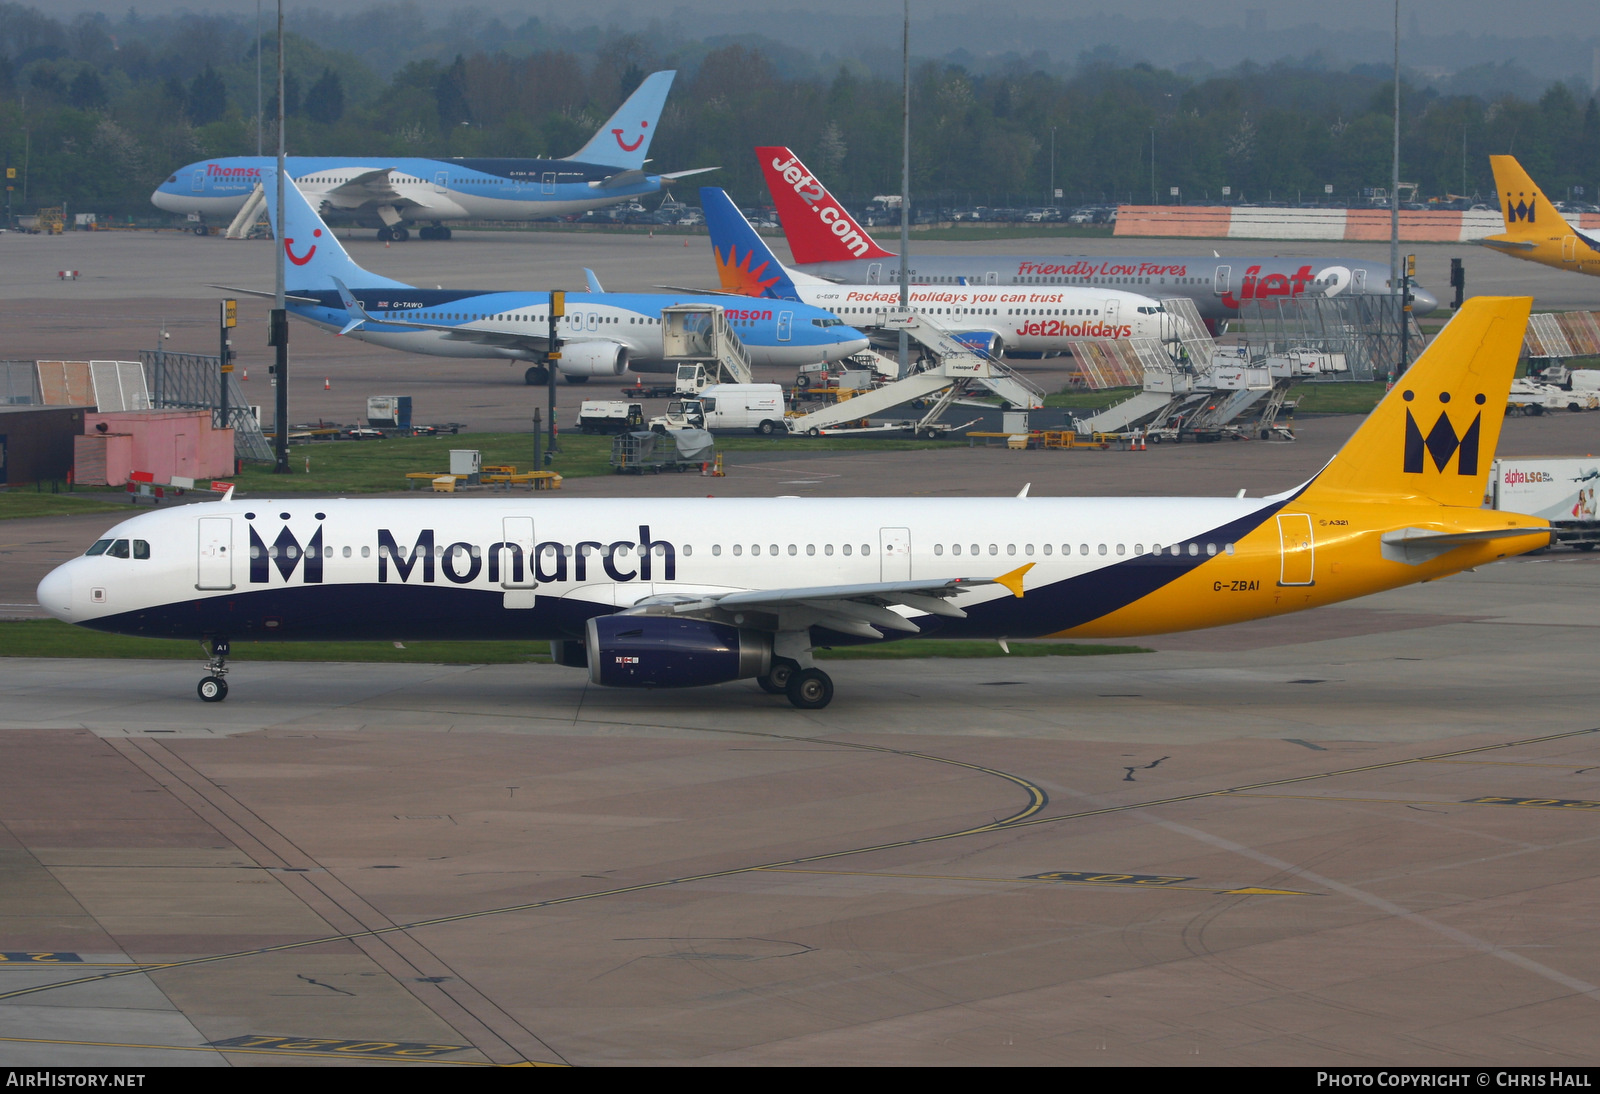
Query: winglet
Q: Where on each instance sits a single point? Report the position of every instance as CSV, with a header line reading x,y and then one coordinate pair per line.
x,y
358,314
1024,491
1013,580
594,282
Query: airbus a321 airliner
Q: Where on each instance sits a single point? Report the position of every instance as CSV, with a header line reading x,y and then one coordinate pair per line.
x,y
672,592
826,241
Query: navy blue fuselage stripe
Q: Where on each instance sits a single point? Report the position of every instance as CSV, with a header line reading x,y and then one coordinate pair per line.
x,y
398,611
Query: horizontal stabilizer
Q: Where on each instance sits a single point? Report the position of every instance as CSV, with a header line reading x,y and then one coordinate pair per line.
x,y
1417,545
267,295
620,179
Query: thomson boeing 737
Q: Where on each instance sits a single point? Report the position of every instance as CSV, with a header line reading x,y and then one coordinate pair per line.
x,y
602,333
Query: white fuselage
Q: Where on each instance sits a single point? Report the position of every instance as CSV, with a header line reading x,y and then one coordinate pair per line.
x,y
306,569
1042,320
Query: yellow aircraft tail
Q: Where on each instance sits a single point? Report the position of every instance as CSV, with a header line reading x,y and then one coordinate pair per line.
x,y
1433,436
1523,205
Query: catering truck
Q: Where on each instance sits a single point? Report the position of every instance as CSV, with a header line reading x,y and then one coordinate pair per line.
x,y
1561,490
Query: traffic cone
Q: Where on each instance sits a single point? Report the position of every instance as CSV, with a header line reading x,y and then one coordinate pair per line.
x,y
246,376
327,384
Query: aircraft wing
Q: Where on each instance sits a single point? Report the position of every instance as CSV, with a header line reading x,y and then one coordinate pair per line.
x,y
862,610
476,335
374,185
698,292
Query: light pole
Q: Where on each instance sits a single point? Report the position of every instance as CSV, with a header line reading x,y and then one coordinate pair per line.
x,y
279,338
1394,195
1052,166
1153,163
905,191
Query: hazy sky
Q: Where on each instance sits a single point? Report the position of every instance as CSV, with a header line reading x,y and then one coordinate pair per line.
x,y
1554,37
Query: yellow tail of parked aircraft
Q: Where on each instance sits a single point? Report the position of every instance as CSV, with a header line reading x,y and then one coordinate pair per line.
x,y
1534,229
1401,502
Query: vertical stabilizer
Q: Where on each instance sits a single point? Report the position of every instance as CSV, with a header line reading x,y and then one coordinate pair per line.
x,y
624,140
1528,213
1433,437
314,255
817,226
745,264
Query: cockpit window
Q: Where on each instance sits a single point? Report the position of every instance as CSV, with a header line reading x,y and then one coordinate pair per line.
x,y
98,547
173,178
119,549
141,548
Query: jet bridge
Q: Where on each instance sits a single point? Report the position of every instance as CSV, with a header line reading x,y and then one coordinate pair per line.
x,y
948,367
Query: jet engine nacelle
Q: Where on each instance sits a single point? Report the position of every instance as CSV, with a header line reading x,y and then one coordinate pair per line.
x,y
593,359
652,651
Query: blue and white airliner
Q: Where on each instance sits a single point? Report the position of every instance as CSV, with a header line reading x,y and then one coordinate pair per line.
x,y
396,191
602,333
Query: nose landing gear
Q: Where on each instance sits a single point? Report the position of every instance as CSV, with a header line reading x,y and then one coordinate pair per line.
x,y
214,688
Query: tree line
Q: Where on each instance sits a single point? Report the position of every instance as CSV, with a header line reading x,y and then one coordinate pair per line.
x,y
97,113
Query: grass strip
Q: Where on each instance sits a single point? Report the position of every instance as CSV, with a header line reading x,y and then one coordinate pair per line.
x,y
52,638
16,504
374,466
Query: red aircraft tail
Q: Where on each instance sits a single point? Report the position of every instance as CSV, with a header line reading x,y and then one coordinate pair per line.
x,y
817,226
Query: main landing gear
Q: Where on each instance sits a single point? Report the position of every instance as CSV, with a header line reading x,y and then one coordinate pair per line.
x,y
394,235
435,231
807,689
214,688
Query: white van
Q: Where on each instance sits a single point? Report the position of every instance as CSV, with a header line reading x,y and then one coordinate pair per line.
x,y
722,407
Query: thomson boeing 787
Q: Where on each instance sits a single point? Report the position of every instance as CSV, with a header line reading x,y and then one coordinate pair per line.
x,y
674,592
394,191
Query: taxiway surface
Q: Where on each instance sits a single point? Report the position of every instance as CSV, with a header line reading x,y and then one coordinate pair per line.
x,y
1363,835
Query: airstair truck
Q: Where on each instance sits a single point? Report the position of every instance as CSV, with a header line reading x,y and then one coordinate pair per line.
x,y
1562,491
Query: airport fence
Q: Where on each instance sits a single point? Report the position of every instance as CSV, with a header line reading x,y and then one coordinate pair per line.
x,y
1365,330
19,384
192,381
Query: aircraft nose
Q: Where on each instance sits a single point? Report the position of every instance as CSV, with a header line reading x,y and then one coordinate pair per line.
x,y
162,200
849,347
1422,301
55,593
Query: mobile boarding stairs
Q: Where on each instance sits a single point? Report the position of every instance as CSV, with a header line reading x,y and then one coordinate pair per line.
x,y
949,368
